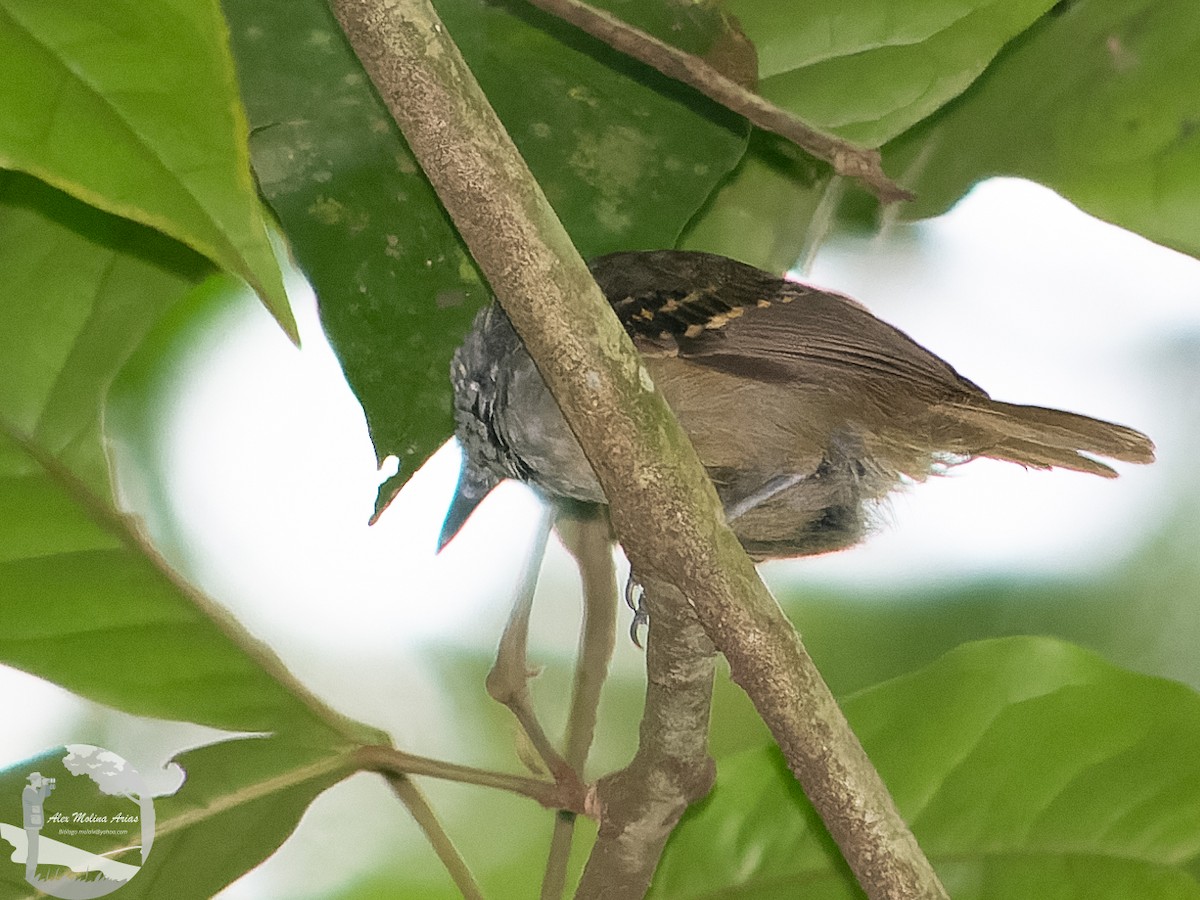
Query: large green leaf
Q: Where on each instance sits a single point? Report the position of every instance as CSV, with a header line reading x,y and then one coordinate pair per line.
x,y
625,156
1097,103
870,70
85,601
133,107
1026,766
238,802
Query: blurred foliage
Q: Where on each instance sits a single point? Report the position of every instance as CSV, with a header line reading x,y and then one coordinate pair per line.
x,y
123,191
1089,103
1024,765
1141,613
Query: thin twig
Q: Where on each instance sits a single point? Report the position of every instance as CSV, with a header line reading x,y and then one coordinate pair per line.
x,y
554,881
640,805
384,759
846,158
419,808
590,542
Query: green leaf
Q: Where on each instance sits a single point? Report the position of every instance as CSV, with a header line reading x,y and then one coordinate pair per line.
x,y
765,212
1026,767
868,71
86,602
133,107
239,801
625,156
1094,104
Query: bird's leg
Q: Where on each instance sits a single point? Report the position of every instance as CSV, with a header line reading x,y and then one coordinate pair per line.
x,y
733,510
508,681
588,538
772,487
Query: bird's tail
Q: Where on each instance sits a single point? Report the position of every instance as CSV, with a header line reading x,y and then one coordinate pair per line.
x,y
1041,438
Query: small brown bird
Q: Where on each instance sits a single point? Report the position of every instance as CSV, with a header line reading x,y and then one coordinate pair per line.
x,y
804,408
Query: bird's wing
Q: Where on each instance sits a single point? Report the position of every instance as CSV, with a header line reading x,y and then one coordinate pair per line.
x,y
746,322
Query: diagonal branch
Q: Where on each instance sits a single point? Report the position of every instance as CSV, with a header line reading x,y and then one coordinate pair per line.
x,y
663,506
846,158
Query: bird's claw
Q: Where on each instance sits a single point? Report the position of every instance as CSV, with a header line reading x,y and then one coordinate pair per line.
x,y
635,599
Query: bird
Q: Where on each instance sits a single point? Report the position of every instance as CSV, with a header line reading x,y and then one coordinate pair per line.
x,y
805,409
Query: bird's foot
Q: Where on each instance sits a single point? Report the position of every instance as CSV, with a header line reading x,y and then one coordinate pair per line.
x,y
635,599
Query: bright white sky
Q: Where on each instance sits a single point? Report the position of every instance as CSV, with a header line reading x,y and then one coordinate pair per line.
x,y
1016,288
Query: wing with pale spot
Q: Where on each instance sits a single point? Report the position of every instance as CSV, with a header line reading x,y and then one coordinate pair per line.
x,y
746,322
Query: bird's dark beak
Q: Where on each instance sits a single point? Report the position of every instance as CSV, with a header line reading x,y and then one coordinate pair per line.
x,y
473,485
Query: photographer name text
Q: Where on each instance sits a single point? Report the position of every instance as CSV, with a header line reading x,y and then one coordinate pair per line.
x,y
81,818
